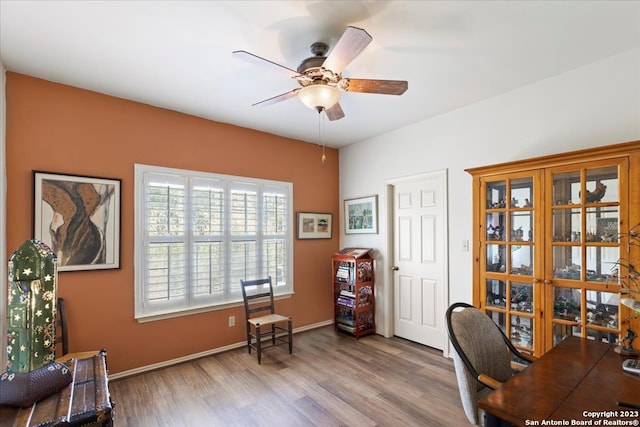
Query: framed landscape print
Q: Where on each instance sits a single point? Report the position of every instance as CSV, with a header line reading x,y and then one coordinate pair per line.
x,y
314,225
361,215
78,217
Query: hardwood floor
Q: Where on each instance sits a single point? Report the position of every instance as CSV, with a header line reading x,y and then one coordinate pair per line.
x,y
329,380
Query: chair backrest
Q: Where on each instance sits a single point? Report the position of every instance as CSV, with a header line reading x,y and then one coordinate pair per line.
x,y
61,328
480,347
258,296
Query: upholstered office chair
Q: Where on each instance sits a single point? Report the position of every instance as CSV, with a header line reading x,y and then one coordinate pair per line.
x,y
482,357
266,330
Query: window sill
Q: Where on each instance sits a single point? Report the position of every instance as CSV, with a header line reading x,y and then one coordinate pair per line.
x,y
188,312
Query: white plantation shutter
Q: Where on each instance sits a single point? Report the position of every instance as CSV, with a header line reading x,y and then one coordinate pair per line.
x,y
243,232
275,245
165,240
208,248
199,234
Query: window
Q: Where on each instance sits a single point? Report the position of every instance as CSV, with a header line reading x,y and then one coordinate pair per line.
x,y
198,234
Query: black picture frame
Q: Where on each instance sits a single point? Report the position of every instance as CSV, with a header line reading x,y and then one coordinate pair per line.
x,y
78,217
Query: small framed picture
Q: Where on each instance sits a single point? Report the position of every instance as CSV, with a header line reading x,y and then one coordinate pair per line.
x,y
314,225
78,217
361,215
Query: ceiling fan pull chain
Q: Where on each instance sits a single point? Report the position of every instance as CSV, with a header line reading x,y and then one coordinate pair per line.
x,y
321,134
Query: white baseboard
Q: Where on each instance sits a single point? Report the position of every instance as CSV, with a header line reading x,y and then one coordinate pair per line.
x,y
189,357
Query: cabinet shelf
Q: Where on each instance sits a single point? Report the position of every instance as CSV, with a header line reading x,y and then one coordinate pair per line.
x,y
354,291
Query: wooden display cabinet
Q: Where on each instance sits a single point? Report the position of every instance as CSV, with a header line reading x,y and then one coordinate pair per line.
x,y
354,291
548,234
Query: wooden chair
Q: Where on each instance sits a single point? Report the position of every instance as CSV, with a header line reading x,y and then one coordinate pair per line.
x,y
482,356
61,328
258,298
62,337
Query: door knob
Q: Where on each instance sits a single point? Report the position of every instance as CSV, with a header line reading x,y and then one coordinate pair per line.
x,y
395,268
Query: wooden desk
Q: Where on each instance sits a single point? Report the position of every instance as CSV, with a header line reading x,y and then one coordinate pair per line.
x,y
575,377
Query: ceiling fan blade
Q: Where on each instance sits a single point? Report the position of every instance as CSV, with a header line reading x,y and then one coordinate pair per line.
x,y
335,112
276,99
255,59
352,42
386,87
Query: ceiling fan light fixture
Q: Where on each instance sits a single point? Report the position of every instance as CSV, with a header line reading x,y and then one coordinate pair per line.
x,y
319,96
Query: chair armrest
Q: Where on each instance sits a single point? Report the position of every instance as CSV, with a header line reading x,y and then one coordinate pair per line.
x,y
517,367
528,357
488,381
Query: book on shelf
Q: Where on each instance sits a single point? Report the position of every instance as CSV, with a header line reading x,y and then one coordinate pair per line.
x,y
349,302
343,279
344,273
343,270
347,320
348,294
347,328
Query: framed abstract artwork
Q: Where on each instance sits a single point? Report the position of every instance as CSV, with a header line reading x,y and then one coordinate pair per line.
x,y
361,215
78,217
314,225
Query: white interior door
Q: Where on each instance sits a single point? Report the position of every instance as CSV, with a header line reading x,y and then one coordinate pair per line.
x,y
420,259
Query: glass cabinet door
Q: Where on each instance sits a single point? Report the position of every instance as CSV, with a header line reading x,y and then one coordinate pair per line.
x,y
557,245
510,288
584,207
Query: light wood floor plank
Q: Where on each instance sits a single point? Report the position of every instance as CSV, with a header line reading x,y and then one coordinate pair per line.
x,y
330,380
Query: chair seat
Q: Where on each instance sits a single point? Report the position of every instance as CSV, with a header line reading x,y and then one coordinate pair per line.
x,y
269,319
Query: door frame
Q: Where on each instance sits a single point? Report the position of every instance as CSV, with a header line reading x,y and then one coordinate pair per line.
x,y
388,293
3,215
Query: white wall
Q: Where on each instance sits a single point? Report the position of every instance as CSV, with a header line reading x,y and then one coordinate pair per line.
x,y
595,105
3,215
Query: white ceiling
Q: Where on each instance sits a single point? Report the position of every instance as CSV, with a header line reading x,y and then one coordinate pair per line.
x,y
177,54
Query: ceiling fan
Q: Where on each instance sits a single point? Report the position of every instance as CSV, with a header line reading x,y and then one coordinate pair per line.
x,y
320,76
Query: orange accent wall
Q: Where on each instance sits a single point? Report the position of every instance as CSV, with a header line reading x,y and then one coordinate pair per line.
x,y
57,128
